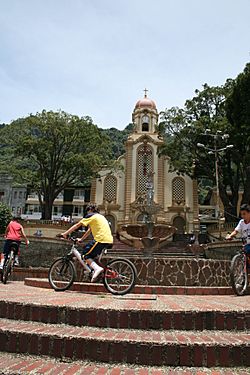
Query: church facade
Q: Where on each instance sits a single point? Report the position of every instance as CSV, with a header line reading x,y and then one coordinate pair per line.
x,y
117,192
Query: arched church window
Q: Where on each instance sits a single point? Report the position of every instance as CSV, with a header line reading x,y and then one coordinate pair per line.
x,y
178,191
144,167
141,218
145,123
110,189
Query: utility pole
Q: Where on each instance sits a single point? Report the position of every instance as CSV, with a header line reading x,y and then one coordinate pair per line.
x,y
216,151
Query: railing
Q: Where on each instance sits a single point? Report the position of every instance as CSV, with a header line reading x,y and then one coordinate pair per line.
x,y
226,227
60,196
207,213
32,196
78,197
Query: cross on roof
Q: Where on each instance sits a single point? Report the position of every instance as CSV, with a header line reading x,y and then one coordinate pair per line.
x,y
145,92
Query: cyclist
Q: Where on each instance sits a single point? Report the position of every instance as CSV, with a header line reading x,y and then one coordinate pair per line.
x,y
100,229
243,227
13,233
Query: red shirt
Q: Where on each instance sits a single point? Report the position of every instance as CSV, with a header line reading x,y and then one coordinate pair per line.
x,y
14,231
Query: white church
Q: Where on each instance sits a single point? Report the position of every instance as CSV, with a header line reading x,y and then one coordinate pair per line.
x,y
116,193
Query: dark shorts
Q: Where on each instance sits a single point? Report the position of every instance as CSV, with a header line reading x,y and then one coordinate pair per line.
x,y
247,248
93,249
11,244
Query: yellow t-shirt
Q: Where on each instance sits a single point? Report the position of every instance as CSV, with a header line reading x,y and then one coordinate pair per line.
x,y
99,227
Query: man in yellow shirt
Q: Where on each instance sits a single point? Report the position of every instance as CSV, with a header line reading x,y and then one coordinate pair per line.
x,y
100,229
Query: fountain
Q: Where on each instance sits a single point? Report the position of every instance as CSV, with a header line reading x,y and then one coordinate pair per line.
x,y
148,236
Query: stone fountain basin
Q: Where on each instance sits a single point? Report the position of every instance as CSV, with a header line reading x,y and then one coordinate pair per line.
x,y
160,232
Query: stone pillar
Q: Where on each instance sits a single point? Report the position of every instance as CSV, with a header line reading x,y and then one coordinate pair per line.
x,y
93,191
196,221
128,180
160,190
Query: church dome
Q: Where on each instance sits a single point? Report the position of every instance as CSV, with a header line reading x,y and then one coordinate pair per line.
x,y
145,102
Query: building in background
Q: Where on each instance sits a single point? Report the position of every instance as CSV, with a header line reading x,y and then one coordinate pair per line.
x,y
117,193
12,194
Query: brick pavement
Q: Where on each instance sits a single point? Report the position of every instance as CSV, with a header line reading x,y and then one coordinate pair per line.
x,y
140,329
12,364
139,289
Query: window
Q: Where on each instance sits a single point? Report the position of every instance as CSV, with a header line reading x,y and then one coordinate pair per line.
x,y
1,195
77,211
110,189
144,167
20,195
178,191
145,123
15,195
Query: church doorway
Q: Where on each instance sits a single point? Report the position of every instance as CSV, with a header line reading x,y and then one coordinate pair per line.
x,y
179,223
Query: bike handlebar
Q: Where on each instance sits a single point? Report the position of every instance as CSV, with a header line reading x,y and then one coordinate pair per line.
x,y
70,238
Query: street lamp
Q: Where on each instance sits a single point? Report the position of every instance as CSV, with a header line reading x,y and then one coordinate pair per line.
x,y
215,151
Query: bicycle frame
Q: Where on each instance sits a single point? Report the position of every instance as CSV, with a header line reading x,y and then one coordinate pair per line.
x,y
10,256
75,253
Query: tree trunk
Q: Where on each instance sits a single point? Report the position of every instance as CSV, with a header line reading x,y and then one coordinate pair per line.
x,y
246,193
47,208
230,202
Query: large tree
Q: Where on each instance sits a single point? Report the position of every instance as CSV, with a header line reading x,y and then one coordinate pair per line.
x,y
5,217
184,127
118,138
53,151
238,114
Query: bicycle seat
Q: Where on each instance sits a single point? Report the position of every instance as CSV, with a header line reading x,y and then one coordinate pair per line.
x,y
14,245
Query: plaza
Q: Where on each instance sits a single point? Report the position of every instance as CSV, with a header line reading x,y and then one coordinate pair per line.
x,y
157,334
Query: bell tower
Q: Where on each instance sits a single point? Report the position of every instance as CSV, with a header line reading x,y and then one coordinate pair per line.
x,y
145,115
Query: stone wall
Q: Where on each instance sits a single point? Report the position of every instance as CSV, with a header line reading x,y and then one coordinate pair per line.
x,y
151,271
222,250
183,271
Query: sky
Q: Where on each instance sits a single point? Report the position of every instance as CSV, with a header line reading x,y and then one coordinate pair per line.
x,y
95,57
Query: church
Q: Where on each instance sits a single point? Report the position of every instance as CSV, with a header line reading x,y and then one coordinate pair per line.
x,y
116,192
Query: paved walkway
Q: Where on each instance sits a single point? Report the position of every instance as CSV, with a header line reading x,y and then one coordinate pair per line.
x,y
23,365
18,292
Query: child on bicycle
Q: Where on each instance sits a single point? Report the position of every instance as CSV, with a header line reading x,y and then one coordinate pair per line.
x,y
243,227
100,229
13,233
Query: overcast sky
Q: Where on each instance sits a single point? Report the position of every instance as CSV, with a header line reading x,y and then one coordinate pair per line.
x,y
94,57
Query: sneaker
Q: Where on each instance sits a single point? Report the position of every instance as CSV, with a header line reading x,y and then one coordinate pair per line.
x,y
96,274
16,261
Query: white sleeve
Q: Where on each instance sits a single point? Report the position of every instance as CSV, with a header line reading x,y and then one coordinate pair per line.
x,y
239,227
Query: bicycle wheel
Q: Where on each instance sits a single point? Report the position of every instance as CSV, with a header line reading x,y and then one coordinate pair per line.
x,y
6,270
120,276
61,274
238,274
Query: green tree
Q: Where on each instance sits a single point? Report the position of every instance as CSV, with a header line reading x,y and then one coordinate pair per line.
x,y
183,128
5,217
53,151
238,114
118,138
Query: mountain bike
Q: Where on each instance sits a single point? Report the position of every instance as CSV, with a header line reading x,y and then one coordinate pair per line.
x,y
118,277
9,262
240,266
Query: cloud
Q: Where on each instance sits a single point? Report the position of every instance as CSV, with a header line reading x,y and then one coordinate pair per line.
x,y
92,57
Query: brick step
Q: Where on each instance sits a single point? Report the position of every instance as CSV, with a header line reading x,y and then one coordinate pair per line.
x,y
111,317
166,348
22,364
139,289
